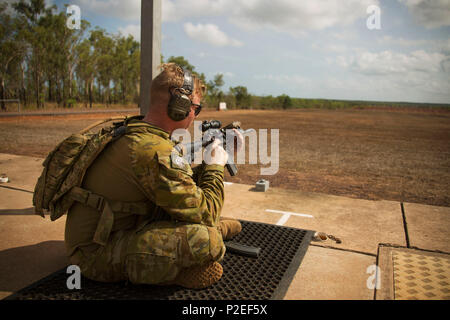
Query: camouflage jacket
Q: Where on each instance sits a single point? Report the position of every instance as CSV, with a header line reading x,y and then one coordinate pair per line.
x,y
143,166
169,181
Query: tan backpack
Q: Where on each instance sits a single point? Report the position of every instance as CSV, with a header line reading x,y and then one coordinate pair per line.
x,y
64,168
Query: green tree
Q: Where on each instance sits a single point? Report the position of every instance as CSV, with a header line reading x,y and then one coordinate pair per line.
x,y
214,94
230,100
268,102
31,13
61,56
85,69
103,45
284,101
243,98
11,54
215,85
125,67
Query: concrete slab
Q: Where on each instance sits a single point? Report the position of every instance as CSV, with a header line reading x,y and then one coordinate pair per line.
x,y
13,201
30,247
330,274
428,226
22,171
360,224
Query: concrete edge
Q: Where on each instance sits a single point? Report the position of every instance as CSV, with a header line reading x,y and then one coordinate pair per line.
x,y
385,265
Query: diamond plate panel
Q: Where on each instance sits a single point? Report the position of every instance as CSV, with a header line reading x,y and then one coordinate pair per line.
x,y
420,276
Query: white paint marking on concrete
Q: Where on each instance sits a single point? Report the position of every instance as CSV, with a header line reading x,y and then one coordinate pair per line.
x,y
287,214
228,183
291,213
284,218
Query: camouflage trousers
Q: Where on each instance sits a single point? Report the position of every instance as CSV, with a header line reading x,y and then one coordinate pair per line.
x,y
153,255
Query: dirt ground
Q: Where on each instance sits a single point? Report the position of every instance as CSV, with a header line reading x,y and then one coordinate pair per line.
x,y
401,155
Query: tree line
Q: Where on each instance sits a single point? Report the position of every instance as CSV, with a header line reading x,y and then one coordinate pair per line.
x,y
42,60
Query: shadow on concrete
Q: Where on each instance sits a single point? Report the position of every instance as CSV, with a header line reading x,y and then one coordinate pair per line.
x,y
22,266
253,189
29,211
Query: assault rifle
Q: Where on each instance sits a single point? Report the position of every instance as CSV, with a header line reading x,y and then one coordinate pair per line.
x,y
211,131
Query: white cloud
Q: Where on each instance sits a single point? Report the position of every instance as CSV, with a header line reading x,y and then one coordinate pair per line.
x,y
430,13
131,29
172,10
175,10
210,33
10,10
438,45
286,80
333,47
419,75
291,16
388,62
388,40
202,54
135,31
127,10
296,17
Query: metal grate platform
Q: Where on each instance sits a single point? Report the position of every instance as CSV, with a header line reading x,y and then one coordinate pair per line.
x,y
244,278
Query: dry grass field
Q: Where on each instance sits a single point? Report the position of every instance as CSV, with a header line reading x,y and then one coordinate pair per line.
x,y
401,155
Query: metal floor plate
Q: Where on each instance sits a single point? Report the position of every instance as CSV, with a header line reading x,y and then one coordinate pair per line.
x,y
420,276
412,274
244,278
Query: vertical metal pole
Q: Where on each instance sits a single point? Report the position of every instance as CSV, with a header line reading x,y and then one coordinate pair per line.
x,y
150,48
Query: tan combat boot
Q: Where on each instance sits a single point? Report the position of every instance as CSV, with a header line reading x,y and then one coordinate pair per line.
x,y
199,277
229,228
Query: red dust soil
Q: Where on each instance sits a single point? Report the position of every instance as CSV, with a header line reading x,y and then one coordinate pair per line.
x,y
401,155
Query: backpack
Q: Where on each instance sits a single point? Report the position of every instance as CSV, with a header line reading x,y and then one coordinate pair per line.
x,y
65,166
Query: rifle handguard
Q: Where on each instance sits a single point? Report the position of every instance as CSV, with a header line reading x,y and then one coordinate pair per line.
x,y
232,169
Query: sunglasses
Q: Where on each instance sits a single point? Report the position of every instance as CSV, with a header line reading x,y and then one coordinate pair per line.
x,y
198,108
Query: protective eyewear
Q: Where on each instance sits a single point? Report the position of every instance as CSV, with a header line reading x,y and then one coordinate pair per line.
x,y
198,108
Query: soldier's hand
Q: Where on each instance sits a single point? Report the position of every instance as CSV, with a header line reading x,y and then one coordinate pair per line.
x,y
215,154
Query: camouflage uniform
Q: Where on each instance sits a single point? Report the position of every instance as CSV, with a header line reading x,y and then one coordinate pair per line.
x,y
177,232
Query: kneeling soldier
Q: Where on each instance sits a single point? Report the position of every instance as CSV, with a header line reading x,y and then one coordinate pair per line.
x,y
160,221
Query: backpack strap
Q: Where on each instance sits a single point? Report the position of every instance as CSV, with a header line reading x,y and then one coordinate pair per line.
x,y
121,128
83,131
107,208
124,122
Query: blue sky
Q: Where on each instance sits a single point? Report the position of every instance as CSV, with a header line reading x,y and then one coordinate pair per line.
x,y
307,49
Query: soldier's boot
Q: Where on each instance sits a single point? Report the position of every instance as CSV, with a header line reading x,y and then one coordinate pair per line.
x,y
200,276
229,228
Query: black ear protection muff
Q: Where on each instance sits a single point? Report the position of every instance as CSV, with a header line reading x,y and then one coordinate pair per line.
x,y
179,104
